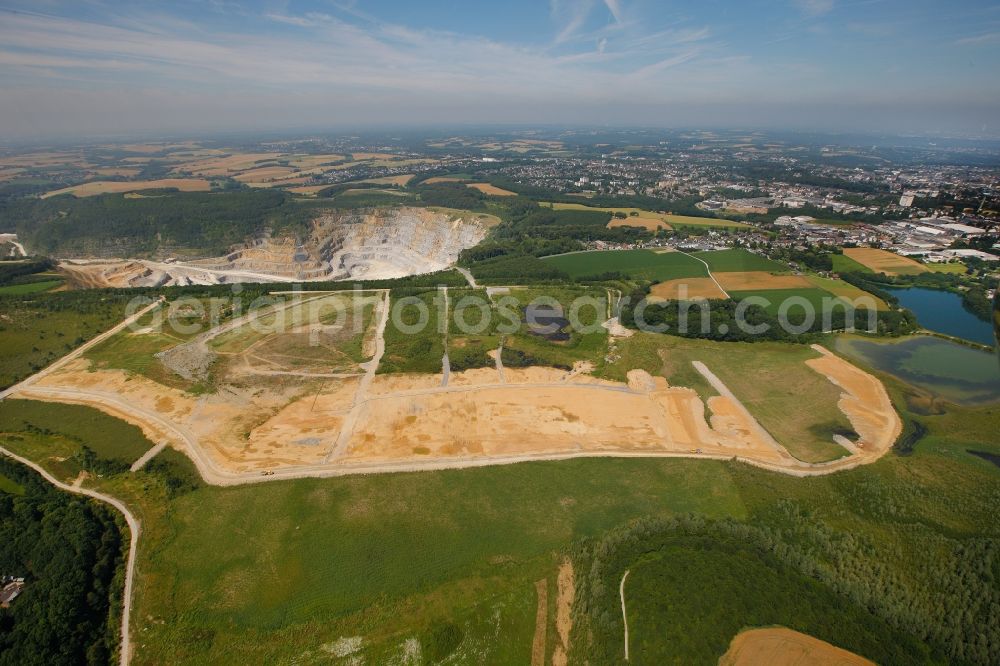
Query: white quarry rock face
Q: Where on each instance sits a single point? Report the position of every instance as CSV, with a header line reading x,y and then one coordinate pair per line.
x,y
378,243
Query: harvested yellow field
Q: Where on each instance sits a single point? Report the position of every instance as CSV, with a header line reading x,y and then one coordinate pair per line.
x,y
312,161
686,289
647,223
400,180
224,166
882,261
30,160
759,280
492,190
105,187
265,174
779,646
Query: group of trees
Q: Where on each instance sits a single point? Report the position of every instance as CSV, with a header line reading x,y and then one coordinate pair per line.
x,y
70,551
855,599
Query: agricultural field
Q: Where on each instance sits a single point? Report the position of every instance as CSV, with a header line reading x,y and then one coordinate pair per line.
x,y
816,298
882,261
118,187
951,268
637,264
686,289
844,264
492,190
847,291
674,221
739,260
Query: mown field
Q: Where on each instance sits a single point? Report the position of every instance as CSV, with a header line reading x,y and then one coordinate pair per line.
x,y
738,260
637,264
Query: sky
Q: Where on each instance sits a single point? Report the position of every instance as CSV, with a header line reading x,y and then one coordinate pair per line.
x,y
108,68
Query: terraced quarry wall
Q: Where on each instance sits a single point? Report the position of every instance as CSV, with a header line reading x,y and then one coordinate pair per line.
x,y
375,243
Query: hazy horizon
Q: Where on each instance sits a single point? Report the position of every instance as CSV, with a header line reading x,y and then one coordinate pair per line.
x,y
867,66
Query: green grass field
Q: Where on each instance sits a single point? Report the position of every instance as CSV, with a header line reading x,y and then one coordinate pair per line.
x,y
738,260
108,437
639,264
778,297
844,264
954,268
30,287
471,330
10,486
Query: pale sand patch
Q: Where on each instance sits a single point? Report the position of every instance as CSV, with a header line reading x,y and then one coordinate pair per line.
x,y
541,623
783,647
882,261
384,384
647,223
492,190
865,402
754,280
564,607
686,289
106,187
474,377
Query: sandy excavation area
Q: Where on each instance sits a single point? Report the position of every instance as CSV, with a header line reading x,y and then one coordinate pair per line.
x,y
783,647
301,424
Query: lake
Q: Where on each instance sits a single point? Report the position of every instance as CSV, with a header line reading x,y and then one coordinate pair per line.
x,y
942,311
946,369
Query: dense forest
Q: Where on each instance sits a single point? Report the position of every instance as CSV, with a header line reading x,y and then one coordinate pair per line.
x,y
792,569
70,550
117,225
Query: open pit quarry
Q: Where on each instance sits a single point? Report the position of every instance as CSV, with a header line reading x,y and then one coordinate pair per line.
x,y
380,243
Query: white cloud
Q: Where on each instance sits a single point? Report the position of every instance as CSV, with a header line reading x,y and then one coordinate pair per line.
x,y
614,6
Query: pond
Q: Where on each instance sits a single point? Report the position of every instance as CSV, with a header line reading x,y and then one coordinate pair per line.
x,y
943,368
942,311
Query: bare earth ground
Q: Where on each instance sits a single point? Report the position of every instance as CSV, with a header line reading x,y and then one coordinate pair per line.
x,y
753,280
784,647
694,288
328,415
882,261
564,606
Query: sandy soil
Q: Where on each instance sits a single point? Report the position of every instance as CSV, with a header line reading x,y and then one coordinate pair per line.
x,y
865,402
103,187
882,261
783,647
753,280
564,607
491,190
647,223
300,425
695,288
